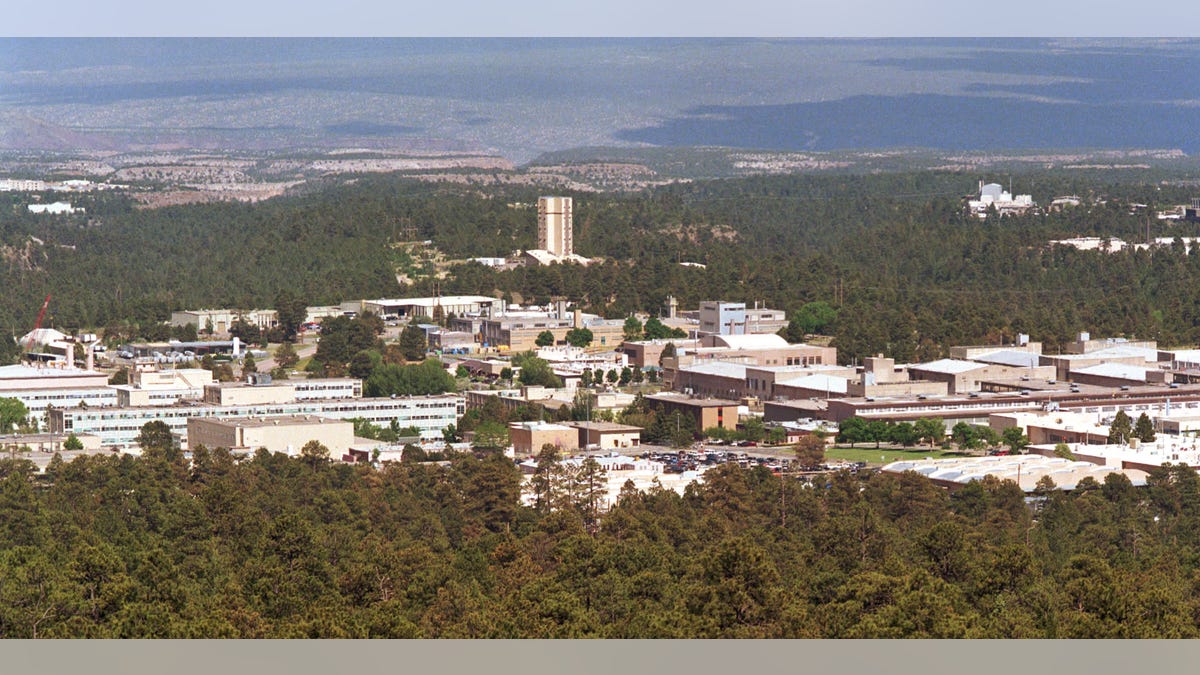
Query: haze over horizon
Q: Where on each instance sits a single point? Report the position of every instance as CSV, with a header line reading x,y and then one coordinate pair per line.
x,y
519,98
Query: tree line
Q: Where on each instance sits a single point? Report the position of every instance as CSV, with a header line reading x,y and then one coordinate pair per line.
x,y
271,546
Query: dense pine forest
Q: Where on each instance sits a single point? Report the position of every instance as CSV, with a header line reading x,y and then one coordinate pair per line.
x,y
909,273
272,546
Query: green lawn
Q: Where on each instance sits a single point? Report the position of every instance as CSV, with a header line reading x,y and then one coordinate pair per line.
x,y
871,455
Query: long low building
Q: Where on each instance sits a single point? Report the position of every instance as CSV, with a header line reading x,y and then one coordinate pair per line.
x,y
607,435
1024,470
1134,456
449,304
976,407
262,390
118,427
221,320
287,433
44,386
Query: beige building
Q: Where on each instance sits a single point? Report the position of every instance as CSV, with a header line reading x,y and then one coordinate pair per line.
x,y
222,319
680,372
555,226
528,437
520,334
644,353
1053,427
967,376
152,386
405,308
707,412
1066,364
1084,344
286,434
974,352
607,435
241,393
17,444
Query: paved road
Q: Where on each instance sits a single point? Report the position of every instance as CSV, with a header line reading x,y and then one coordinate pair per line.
x,y
304,349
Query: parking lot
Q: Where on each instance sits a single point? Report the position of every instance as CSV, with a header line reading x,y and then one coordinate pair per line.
x,y
776,460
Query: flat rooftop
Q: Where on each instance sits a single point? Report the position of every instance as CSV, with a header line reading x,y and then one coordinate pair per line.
x,y
539,426
1025,470
948,366
684,399
22,371
718,368
604,426
281,421
430,302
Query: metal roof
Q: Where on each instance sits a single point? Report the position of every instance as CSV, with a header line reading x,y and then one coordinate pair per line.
x,y
22,371
1123,371
1010,357
1186,355
430,302
1028,469
753,341
1119,352
948,366
818,382
718,368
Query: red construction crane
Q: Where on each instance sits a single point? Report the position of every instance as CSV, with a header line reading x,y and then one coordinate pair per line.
x,y
42,314
28,344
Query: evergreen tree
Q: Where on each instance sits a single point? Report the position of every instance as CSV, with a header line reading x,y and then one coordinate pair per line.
x,y
413,343
633,329
314,453
1121,429
579,337
248,366
291,311
285,356
537,372
547,480
1143,430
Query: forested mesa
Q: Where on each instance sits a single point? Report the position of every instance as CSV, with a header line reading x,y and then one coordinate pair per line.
x,y
908,272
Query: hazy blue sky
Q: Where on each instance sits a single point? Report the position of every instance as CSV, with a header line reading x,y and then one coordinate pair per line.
x,y
841,18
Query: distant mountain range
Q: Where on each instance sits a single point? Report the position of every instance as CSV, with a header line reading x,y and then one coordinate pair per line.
x,y
522,98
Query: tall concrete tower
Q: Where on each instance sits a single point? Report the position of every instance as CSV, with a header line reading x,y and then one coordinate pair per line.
x,y
554,225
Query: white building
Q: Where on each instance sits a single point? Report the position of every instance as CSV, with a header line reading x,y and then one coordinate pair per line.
x,y
993,195
18,185
457,305
157,387
56,208
119,427
1024,470
643,473
1135,456
42,386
